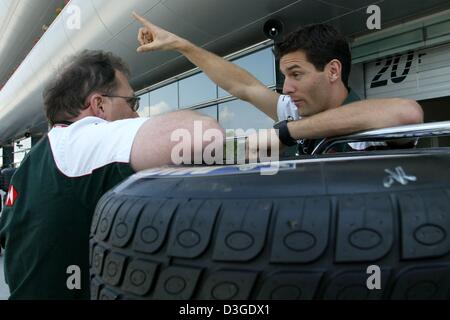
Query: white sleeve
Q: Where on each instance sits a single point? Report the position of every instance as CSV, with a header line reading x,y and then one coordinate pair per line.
x,y
286,109
92,143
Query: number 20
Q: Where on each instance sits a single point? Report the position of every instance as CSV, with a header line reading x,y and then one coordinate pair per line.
x,y
394,61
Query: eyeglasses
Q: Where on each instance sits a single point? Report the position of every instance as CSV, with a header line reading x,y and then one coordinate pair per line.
x,y
133,102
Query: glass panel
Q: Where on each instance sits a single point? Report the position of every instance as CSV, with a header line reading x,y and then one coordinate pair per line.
x,y
196,89
164,99
21,148
209,111
260,64
239,114
144,107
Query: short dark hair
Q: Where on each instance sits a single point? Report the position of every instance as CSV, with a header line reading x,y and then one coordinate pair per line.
x,y
85,72
321,43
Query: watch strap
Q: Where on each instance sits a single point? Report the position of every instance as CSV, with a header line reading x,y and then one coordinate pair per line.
x,y
283,133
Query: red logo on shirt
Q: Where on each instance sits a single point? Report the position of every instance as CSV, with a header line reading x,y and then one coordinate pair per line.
x,y
11,197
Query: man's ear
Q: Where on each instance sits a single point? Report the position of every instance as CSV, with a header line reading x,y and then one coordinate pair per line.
x,y
96,105
334,70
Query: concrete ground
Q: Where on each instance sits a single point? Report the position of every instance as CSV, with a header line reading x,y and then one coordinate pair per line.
x,y
4,290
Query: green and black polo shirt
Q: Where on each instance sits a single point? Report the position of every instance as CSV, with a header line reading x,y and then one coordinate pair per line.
x,y
46,223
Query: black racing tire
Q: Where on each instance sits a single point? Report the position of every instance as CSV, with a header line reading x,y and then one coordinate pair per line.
x,y
309,232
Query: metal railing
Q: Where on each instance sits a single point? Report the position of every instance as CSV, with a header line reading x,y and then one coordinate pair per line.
x,y
432,129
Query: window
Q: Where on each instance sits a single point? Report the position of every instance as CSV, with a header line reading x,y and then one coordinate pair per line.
x,y
144,108
196,89
242,115
209,111
164,99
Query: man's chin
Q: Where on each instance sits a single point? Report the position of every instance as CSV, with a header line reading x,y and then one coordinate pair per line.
x,y
302,113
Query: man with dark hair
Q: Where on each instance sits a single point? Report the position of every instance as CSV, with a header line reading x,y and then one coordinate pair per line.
x,y
96,141
315,61
321,44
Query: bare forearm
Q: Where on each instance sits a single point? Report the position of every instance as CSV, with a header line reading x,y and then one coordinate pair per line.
x,y
358,116
237,81
225,74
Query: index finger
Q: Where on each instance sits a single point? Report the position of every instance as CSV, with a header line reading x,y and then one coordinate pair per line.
x,y
141,19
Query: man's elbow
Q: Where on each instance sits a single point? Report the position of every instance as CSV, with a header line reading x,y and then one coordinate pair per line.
x,y
411,112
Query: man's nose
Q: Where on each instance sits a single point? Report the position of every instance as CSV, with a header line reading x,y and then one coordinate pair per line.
x,y
287,87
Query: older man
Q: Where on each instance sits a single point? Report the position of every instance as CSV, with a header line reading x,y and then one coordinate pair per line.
x,y
96,141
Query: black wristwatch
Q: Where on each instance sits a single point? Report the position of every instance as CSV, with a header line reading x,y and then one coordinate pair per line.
x,y
283,133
